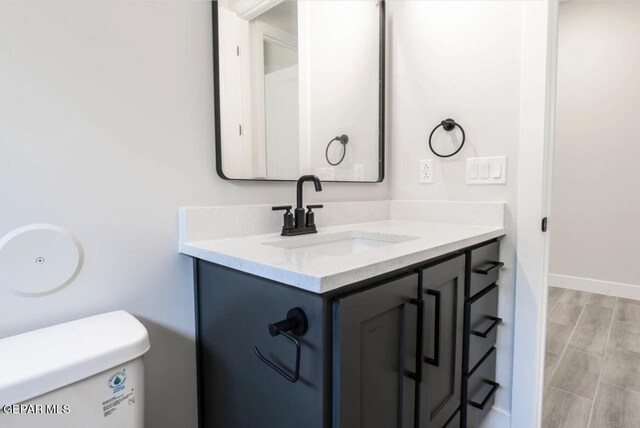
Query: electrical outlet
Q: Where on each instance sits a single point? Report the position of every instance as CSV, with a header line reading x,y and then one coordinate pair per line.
x,y
426,171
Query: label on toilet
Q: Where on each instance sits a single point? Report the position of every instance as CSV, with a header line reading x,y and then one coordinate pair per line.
x,y
117,381
112,405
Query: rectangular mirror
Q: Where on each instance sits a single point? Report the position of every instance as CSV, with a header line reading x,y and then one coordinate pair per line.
x,y
299,89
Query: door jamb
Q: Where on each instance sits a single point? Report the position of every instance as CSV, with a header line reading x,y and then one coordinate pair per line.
x,y
537,126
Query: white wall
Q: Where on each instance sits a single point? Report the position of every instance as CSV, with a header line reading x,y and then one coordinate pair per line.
x,y
462,60
596,199
106,128
339,84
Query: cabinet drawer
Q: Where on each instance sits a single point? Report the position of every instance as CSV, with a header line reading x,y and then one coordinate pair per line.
x,y
485,264
483,324
481,390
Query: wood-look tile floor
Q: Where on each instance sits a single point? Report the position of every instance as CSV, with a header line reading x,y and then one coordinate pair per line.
x,y
592,364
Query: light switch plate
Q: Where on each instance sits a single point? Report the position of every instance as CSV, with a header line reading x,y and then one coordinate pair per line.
x,y
489,170
426,171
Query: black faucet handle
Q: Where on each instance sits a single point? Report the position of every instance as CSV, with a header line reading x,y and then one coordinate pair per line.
x,y
282,208
310,220
287,219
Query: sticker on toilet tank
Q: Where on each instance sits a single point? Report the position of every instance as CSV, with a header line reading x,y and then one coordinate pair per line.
x,y
117,384
111,405
117,380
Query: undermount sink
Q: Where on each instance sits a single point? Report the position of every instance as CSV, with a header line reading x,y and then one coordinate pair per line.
x,y
339,244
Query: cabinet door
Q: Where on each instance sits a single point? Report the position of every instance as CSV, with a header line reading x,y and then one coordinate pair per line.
x,y
440,389
374,356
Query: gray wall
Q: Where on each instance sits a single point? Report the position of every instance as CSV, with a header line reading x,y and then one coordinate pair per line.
x,y
596,200
106,128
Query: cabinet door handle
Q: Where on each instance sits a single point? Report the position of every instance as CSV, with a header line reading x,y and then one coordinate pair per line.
x,y
295,322
494,388
435,361
487,267
483,334
417,375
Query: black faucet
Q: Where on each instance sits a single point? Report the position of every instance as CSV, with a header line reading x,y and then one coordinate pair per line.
x,y
299,223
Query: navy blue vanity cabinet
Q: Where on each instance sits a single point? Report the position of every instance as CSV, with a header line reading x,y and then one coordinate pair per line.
x,y
413,348
235,388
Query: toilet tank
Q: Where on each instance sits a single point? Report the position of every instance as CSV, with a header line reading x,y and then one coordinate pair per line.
x,y
84,373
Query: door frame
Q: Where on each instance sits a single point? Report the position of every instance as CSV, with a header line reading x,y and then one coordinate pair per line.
x,y
537,131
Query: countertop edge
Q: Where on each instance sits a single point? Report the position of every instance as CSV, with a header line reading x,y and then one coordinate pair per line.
x,y
321,285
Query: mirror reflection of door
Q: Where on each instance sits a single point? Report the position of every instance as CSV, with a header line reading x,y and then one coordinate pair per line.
x,y
277,31
281,109
258,60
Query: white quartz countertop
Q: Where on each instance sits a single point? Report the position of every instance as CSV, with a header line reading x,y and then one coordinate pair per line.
x,y
275,257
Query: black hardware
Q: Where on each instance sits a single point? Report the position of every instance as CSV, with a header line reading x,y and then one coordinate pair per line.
x,y
281,207
293,378
418,357
301,223
496,322
296,322
411,375
435,361
544,224
287,217
417,375
488,267
310,220
382,66
448,125
494,388
342,139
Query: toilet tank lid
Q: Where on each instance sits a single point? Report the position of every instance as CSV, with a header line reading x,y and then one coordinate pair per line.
x,y
41,361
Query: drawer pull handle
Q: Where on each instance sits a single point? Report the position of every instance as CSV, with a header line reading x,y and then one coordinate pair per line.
x,y
488,267
435,361
296,322
483,334
483,403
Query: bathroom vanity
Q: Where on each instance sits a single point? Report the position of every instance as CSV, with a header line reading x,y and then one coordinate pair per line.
x,y
382,324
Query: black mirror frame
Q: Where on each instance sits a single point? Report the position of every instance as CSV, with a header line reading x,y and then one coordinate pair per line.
x,y
381,101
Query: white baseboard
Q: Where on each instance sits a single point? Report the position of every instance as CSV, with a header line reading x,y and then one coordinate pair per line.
x,y
497,418
610,288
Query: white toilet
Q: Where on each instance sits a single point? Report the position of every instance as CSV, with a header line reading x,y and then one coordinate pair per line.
x,y
82,374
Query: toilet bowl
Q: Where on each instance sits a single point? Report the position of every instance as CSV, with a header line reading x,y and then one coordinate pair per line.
x,y
82,374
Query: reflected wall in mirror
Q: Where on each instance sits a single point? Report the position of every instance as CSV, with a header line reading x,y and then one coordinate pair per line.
x,y
291,80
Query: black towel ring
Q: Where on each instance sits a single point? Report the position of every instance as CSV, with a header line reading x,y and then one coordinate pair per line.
x,y
448,125
343,140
